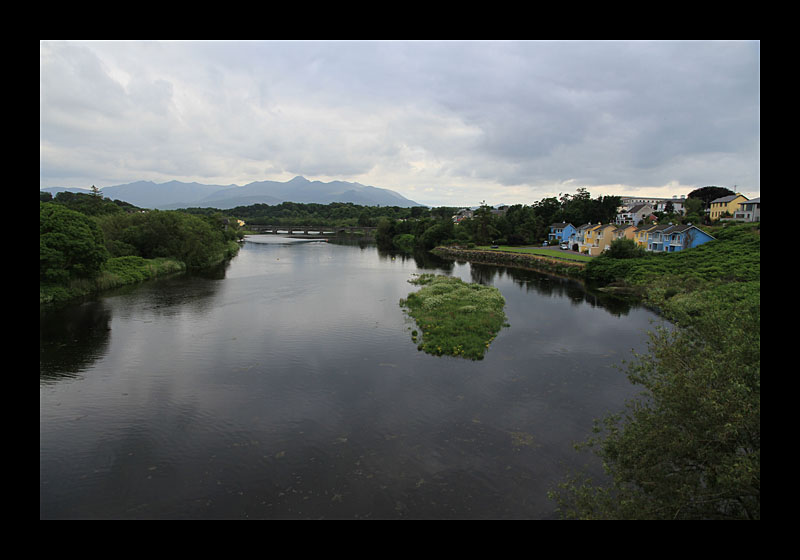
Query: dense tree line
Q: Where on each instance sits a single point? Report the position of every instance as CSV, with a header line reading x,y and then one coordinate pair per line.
x,y
333,214
83,235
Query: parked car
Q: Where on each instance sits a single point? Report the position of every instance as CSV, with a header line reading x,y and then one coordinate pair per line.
x,y
565,246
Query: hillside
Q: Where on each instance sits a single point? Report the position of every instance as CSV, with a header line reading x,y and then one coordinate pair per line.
x,y
724,272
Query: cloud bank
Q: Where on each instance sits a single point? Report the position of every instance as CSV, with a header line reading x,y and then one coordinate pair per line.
x,y
443,123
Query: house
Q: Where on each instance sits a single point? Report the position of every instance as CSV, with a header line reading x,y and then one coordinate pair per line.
x,y
597,238
560,233
684,237
635,214
624,232
640,236
657,236
576,239
749,211
463,214
726,205
670,238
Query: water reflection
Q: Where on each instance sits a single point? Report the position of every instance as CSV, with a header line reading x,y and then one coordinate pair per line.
x,y
71,339
286,385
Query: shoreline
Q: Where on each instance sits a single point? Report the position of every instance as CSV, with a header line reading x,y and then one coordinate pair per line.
x,y
549,265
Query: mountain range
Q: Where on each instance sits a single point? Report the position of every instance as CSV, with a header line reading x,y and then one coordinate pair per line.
x,y
175,194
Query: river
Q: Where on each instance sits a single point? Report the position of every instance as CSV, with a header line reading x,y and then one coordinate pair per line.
x,y
285,385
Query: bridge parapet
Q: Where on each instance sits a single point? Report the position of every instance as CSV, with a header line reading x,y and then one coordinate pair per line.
x,y
325,231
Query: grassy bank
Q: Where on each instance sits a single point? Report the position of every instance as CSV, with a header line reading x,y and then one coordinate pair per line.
x,y
520,258
456,318
116,272
723,272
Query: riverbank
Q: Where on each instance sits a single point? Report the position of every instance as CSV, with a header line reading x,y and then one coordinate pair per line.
x,y
121,271
116,272
551,265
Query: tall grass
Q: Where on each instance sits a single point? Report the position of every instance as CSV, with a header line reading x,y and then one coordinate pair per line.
x,y
456,318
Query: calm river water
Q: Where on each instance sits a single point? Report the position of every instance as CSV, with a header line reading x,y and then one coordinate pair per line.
x,y
286,386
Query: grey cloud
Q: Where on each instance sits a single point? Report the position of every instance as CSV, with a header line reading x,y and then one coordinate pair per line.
x,y
504,113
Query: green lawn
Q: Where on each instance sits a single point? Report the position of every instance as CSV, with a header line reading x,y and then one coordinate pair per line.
x,y
542,251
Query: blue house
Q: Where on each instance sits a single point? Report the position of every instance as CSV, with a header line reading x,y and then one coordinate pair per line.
x,y
559,233
685,237
670,238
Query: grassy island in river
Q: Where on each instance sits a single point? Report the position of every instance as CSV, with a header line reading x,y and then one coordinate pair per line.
x,y
456,318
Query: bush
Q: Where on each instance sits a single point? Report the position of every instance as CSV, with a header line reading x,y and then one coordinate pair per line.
x,y
623,249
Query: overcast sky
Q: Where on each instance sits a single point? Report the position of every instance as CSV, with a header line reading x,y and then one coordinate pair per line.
x,y
442,123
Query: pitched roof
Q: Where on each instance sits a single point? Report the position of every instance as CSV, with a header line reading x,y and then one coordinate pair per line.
x,y
662,227
724,199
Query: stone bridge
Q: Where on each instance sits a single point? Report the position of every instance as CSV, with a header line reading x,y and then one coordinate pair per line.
x,y
313,231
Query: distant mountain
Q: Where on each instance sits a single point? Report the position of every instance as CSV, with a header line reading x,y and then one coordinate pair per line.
x,y
301,189
174,194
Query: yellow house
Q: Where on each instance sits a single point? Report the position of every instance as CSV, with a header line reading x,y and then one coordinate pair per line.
x,y
729,204
641,235
597,238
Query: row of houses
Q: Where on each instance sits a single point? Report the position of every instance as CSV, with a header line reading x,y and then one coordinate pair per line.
x,y
734,207
593,239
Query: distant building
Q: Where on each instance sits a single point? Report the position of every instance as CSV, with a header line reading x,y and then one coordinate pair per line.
x,y
658,204
635,214
463,214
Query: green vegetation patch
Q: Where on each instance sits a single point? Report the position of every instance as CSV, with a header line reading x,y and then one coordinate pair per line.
x,y
456,318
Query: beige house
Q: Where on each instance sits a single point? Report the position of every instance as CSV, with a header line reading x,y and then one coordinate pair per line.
x,y
727,205
597,238
624,232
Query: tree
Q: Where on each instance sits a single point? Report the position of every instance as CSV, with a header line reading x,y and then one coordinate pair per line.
x,y
197,241
385,233
71,244
690,446
707,194
485,230
694,210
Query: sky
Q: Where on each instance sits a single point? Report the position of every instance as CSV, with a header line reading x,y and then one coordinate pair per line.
x,y
444,123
